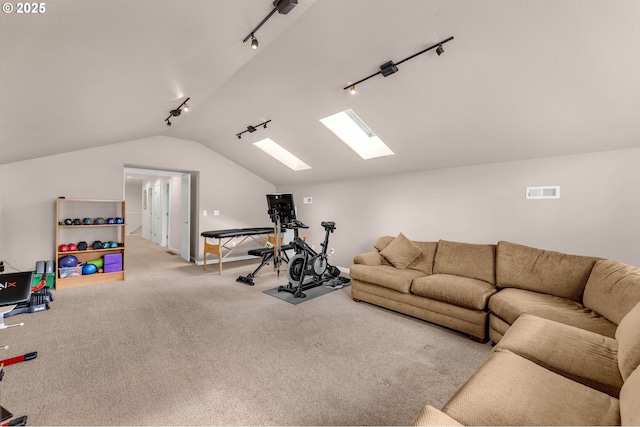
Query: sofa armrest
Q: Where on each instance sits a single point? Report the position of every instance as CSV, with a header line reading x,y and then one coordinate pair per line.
x,y
368,258
430,416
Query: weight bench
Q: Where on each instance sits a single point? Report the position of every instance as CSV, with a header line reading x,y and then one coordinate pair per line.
x,y
267,255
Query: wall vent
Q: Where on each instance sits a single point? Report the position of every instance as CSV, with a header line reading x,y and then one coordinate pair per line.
x,y
552,192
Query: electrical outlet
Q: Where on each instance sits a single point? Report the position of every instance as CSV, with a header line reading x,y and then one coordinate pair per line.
x,y
307,200
332,251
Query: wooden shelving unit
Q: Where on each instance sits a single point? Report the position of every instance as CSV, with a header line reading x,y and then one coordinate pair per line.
x,y
89,208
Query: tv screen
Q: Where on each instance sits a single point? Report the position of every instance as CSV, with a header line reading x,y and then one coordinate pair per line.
x,y
281,206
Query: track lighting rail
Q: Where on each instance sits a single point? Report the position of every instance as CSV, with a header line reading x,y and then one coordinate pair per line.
x,y
175,113
282,6
390,67
252,128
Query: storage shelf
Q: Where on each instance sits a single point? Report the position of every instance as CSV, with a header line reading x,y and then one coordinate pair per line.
x,y
88,279
89,208
90,251
90,226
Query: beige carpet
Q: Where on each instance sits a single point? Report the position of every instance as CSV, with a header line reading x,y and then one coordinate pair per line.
x,y
174,345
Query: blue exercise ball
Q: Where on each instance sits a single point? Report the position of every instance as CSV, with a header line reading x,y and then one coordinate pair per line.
x,y
89,269
68,261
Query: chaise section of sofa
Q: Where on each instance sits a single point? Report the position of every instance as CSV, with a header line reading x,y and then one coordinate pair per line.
x,y
448,283
548,373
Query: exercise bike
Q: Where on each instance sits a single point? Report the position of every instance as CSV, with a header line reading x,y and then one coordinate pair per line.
x,y
308,268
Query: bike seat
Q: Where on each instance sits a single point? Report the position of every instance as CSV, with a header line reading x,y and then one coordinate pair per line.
x,y
328,225
298,224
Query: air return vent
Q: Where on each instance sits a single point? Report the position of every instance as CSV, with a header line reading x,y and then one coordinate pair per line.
x,y
552,192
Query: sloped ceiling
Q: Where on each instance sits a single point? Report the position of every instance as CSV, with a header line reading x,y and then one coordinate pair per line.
x,y
521,79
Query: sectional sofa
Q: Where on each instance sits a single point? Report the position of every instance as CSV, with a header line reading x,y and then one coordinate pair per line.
x,y
567,327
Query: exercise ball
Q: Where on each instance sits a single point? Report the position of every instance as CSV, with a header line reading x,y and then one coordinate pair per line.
x,y
89,269
97,262
68,261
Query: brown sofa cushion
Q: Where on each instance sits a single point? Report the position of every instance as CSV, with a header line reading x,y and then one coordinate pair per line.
x,y
458,290
628,336
430,416
508,304
386,276
368,258
511,390
629,398
423,262
613,289
548,272
382,242
401,252
583,356
466,259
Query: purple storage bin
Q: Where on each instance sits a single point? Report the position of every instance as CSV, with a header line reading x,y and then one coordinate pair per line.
x,y
110,268
113,259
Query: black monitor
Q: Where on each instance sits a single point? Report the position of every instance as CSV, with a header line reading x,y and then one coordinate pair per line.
x,y
281,207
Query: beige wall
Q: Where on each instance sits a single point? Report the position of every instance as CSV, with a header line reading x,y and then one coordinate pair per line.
x,y
597,213
28,190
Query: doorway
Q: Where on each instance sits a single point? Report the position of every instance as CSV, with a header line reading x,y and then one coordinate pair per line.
x,y
158,204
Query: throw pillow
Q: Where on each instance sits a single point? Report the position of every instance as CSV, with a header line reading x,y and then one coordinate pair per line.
x,y
401,252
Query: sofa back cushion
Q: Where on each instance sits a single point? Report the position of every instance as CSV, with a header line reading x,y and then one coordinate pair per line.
x,y
628,337
423,262
613,289
537,270
476,261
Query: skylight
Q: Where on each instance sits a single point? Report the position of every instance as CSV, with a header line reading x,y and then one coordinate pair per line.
x,y
354,132
283,156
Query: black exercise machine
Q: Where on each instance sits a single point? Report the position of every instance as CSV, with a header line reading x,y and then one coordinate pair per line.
x,y
15,289
267,255
307,268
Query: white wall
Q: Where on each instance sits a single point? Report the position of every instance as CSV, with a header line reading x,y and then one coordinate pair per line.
x,y
597,213
133,198
28,190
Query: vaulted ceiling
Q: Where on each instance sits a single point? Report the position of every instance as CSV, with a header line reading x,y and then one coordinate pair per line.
x,y
522,79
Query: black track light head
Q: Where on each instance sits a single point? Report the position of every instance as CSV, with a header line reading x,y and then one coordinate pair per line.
x,y
239,136
251,129
285,6
254,43
439,50
388,68
176,112
168,122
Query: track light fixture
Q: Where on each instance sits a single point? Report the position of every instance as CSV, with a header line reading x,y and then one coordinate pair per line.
x,y
282,6
252,129
175,113
390,67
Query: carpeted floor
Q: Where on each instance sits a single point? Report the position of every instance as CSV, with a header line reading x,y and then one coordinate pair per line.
x,y
174,345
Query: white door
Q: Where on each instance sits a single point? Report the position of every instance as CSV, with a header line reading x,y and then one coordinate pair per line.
x,y
185,244
157,215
